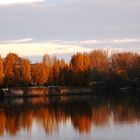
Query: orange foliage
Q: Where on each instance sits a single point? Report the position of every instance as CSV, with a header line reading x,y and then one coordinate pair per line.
x,y
122,60
99,60
79,66
39,74
56,70
80,62
83,69
11,69
26,71
1,72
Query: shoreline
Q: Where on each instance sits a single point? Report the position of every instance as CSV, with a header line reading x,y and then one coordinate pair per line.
x,y
40,91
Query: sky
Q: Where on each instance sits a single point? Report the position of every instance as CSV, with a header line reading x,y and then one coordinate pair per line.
x,y
63,27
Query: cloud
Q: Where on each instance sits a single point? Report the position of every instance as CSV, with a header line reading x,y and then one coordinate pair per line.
x,y
67,20
24,40
100,41
77,20
121,44
28,49
7,2
110,41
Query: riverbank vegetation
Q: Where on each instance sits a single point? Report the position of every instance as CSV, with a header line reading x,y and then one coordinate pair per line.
x,y
115,70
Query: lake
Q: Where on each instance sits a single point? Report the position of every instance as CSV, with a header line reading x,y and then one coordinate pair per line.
x,y
71,118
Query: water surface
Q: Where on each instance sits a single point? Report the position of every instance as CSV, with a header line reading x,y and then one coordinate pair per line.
x,y
71,118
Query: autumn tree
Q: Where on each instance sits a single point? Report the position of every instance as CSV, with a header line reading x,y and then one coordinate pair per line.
x,y
56,70
99,65
124,67
11,67
17,75
79,64
26,71
82,69
39,74
76,62
134,66
1,71
122,60
99,60
64,75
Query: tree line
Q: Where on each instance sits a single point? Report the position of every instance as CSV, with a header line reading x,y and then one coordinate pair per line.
x,y
115,69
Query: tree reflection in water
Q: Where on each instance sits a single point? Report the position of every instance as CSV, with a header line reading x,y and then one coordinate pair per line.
x,y
84,112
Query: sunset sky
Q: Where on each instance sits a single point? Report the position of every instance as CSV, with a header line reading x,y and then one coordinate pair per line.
x,y
36,27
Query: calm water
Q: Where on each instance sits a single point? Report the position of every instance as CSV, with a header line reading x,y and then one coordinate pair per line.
x,y
70,118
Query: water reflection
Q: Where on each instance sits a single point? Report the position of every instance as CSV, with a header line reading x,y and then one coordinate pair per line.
x,y
83,113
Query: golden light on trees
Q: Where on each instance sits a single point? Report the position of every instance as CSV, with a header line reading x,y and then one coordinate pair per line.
x,y
26,71
1,72
83,68
39,74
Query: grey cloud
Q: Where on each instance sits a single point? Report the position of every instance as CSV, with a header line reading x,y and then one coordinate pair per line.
x,y
76,20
